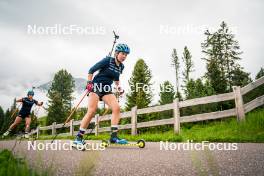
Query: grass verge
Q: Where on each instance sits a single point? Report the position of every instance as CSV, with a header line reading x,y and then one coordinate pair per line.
x,y
225,130
14,166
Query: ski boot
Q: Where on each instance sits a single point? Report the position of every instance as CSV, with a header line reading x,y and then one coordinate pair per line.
x,y
117,140
6,134
78,143
26,136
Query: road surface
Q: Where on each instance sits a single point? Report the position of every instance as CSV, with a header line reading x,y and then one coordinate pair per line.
x,y
248,159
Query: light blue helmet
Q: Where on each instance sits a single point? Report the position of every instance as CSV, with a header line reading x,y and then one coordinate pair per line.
x,y
30,92
122,48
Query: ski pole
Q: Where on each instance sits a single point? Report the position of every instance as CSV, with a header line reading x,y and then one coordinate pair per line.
x,y
69,117
16,110
116,37
36,111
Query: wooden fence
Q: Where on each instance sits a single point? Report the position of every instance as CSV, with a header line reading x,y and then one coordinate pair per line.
x,y
239,111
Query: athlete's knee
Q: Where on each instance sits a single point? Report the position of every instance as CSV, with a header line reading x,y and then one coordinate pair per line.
x,y
91,111
116,109
16,123
13,125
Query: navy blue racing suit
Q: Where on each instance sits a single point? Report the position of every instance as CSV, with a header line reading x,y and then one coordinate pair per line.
x,y
26,107
108,72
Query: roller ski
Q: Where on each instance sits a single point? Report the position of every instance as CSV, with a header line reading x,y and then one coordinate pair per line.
x,y
117,142
21,136
17,136
8,134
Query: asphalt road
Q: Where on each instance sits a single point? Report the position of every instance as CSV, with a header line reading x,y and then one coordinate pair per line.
x,y
248,159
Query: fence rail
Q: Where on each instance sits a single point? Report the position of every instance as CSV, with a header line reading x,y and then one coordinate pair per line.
x,y
239,111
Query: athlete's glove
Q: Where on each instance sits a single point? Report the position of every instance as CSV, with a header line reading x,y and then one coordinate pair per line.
x,y
41,103
89,86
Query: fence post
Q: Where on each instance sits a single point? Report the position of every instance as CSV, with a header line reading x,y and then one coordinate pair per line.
x,y
134,120
54,128
96,123
71,128
38,132
176,115
240,112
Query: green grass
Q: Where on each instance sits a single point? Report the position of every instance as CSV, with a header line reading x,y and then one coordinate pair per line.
x,y
229,130
14,166
225,130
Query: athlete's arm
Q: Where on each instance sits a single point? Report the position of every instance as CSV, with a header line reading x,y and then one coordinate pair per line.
x,y
99,65
40,103
19,100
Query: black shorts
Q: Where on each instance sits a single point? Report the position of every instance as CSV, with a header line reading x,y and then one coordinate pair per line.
x,y
101,93
22,115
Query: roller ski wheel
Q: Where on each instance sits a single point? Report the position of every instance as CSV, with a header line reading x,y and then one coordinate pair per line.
x,y
140,143
105,143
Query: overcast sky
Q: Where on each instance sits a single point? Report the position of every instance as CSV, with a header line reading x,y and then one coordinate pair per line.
x,y
151,29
